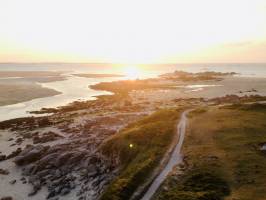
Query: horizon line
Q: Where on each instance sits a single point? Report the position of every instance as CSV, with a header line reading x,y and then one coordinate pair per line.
x,y
110,63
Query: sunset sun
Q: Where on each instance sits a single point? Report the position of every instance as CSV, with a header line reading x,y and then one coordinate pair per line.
x,y
132,72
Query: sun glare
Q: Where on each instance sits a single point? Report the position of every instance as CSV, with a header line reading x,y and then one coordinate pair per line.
x,y
132,72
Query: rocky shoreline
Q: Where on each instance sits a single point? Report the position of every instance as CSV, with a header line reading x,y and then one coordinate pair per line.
x,y
61,152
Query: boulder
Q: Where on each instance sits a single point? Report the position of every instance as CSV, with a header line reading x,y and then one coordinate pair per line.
x,y
4,172
2,157
13,182
62,159
263,148
30,154
6,198
14,153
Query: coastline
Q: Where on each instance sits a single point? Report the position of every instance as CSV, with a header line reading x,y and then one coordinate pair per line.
x,y
65,92
68,139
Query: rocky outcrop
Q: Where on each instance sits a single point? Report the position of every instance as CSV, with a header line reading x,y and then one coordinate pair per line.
x,y
4,172
46,137
63,167
74,160
30,154
6,198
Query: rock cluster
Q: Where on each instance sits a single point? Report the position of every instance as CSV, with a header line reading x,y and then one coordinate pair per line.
x,y
67,162
61,169
46,137
4,172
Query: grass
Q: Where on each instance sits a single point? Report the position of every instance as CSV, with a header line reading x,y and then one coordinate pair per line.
x,y
140,147
222,155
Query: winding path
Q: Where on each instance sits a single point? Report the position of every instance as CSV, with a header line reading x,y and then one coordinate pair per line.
x,y
175,158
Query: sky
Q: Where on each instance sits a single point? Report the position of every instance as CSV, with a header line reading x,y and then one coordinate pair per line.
x,y
133,31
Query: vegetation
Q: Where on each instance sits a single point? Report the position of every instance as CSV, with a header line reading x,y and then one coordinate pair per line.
x,y
101,101
237,99
259,107
196,184
139,147
201,76
223,156
125,86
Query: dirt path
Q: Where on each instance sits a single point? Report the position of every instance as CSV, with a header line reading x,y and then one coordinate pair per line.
x,y
175,158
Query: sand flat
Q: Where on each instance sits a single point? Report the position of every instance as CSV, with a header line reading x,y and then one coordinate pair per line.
x,y
21,86
16,93
204,89
98,75
29,74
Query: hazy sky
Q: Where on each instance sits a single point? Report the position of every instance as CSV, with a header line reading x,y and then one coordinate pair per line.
x,y
133,31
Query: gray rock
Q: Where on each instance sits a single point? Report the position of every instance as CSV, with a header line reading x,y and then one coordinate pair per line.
x,y
263,148
4,172
30,154
13,182
65,191
14,153
2,157
7,198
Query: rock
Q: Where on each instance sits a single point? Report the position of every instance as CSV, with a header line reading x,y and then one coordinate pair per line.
x,y
30,154
165,188
36,188
51,194
76,157
92,170
19,140
46,137
2,157
14,153
29,169
47,160
13,182
4,172
43,173
263,148
65,191
7,198
62,159
94,160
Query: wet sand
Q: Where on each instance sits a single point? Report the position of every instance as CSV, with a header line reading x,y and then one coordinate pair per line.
x,y
16,93
204,89
29,74
21,86
98,75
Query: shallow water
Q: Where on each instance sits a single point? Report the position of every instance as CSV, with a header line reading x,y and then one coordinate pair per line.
x,y
72,89
247,69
